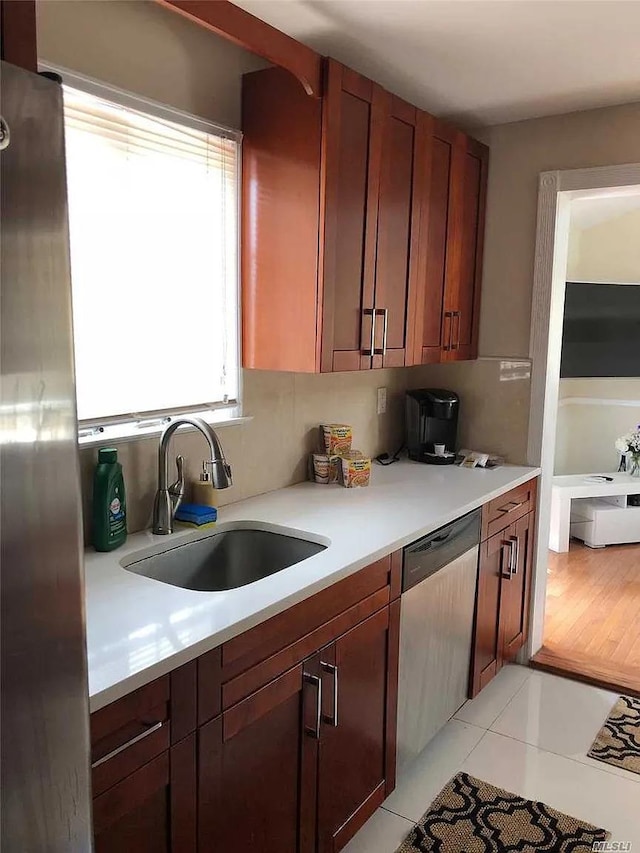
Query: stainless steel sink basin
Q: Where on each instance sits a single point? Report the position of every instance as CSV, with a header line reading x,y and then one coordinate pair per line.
x,y
226,560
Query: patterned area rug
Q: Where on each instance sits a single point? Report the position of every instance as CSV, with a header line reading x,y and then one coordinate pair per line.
x,y
618,741
471,816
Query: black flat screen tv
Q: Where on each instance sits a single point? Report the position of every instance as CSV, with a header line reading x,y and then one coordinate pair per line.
x,y
601,332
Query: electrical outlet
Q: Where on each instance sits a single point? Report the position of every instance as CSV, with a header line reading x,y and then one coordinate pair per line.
x,y
382,401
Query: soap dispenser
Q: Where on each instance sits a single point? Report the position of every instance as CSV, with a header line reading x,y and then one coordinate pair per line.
x,y
202,490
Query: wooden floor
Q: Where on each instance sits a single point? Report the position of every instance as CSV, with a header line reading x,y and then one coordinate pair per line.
x,y
592,618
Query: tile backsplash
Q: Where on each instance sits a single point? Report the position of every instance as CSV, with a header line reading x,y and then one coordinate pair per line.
x,y
271,451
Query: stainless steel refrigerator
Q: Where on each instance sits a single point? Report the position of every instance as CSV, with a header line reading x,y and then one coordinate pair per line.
x,y
46,801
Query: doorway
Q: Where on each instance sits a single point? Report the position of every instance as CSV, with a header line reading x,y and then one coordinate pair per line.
x,y
583,612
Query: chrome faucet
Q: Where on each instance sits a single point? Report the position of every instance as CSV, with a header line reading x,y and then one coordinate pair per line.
x,y
168,497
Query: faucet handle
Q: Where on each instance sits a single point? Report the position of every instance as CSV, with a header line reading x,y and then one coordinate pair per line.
x,y
176,490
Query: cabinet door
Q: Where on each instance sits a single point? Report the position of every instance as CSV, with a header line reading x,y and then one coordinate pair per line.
x,y
257,769
398,231
152,810
355,735
487,651
516,584
464,250
435,156
352,146
18,43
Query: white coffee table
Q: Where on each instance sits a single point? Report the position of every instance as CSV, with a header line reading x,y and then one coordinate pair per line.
x,y
622,522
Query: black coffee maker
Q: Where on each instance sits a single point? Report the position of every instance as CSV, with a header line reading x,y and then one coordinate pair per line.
x,y
432,419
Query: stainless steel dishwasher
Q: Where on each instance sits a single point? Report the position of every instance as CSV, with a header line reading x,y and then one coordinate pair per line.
x,y
436,621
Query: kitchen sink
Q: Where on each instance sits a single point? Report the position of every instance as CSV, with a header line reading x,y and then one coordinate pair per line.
x,y
226,560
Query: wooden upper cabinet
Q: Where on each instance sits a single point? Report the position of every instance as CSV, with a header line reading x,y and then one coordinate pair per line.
x,y
331,206
465,240
397,242
281,149
352,132
436,151
447,301
18,42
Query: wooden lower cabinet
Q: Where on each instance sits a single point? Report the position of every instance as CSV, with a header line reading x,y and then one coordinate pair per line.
x,y
353,741
301,764
516,585
503,598
255,770
153,809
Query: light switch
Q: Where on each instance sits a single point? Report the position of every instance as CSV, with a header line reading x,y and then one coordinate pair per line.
x,y
382,401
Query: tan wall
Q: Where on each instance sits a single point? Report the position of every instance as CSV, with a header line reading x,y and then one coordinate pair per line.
x,y
586,433
139,46
519,152
494,403
609,251
272,450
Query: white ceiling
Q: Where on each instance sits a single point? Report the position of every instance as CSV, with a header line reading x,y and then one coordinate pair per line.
x,y
591,210
478,62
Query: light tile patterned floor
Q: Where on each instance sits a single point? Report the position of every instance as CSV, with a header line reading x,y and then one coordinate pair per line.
x,y
528,732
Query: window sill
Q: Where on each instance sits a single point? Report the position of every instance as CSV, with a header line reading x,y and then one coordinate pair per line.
x,y
126,432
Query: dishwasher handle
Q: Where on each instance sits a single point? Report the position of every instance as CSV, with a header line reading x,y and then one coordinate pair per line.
x,y
428,555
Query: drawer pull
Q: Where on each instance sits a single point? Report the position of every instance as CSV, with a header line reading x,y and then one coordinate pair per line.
x,y
315,681
385,319
512,506
371,312
333,669
153,728
507,558
516,554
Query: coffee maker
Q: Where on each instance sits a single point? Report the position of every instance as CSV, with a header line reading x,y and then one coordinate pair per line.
x,y
432,419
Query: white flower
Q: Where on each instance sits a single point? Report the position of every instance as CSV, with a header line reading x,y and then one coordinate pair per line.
x,y
621,444
629,443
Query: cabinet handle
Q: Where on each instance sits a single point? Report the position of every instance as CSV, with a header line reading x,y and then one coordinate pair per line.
x,y
456,337
385,322
152,728
371,312
333,669
516,554
512,506
317,682
507,544
447,316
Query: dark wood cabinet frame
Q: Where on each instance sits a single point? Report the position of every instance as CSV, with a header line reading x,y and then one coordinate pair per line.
x,y
233,23
18,42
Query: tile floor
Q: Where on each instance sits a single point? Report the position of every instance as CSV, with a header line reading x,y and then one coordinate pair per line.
x,y
528,732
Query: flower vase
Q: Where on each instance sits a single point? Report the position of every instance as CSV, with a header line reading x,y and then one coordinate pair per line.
x,y
633,464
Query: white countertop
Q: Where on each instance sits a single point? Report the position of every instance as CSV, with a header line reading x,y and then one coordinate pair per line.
x,y
579,485
139,629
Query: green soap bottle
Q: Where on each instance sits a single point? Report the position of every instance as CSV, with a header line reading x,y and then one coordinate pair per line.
x,y
109,502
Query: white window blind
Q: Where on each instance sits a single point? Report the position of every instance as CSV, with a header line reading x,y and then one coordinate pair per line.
x,y
153,218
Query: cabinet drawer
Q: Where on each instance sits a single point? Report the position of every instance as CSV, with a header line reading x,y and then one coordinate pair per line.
x,y
504,510
234,670
129,733
280,631
245,683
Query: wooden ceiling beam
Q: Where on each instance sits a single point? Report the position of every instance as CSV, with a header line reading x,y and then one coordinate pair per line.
x,y
233,23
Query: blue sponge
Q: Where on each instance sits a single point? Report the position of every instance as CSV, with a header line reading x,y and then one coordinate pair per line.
x,y
196,514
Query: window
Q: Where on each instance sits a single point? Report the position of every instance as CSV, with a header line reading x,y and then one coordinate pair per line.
x,y
153,219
